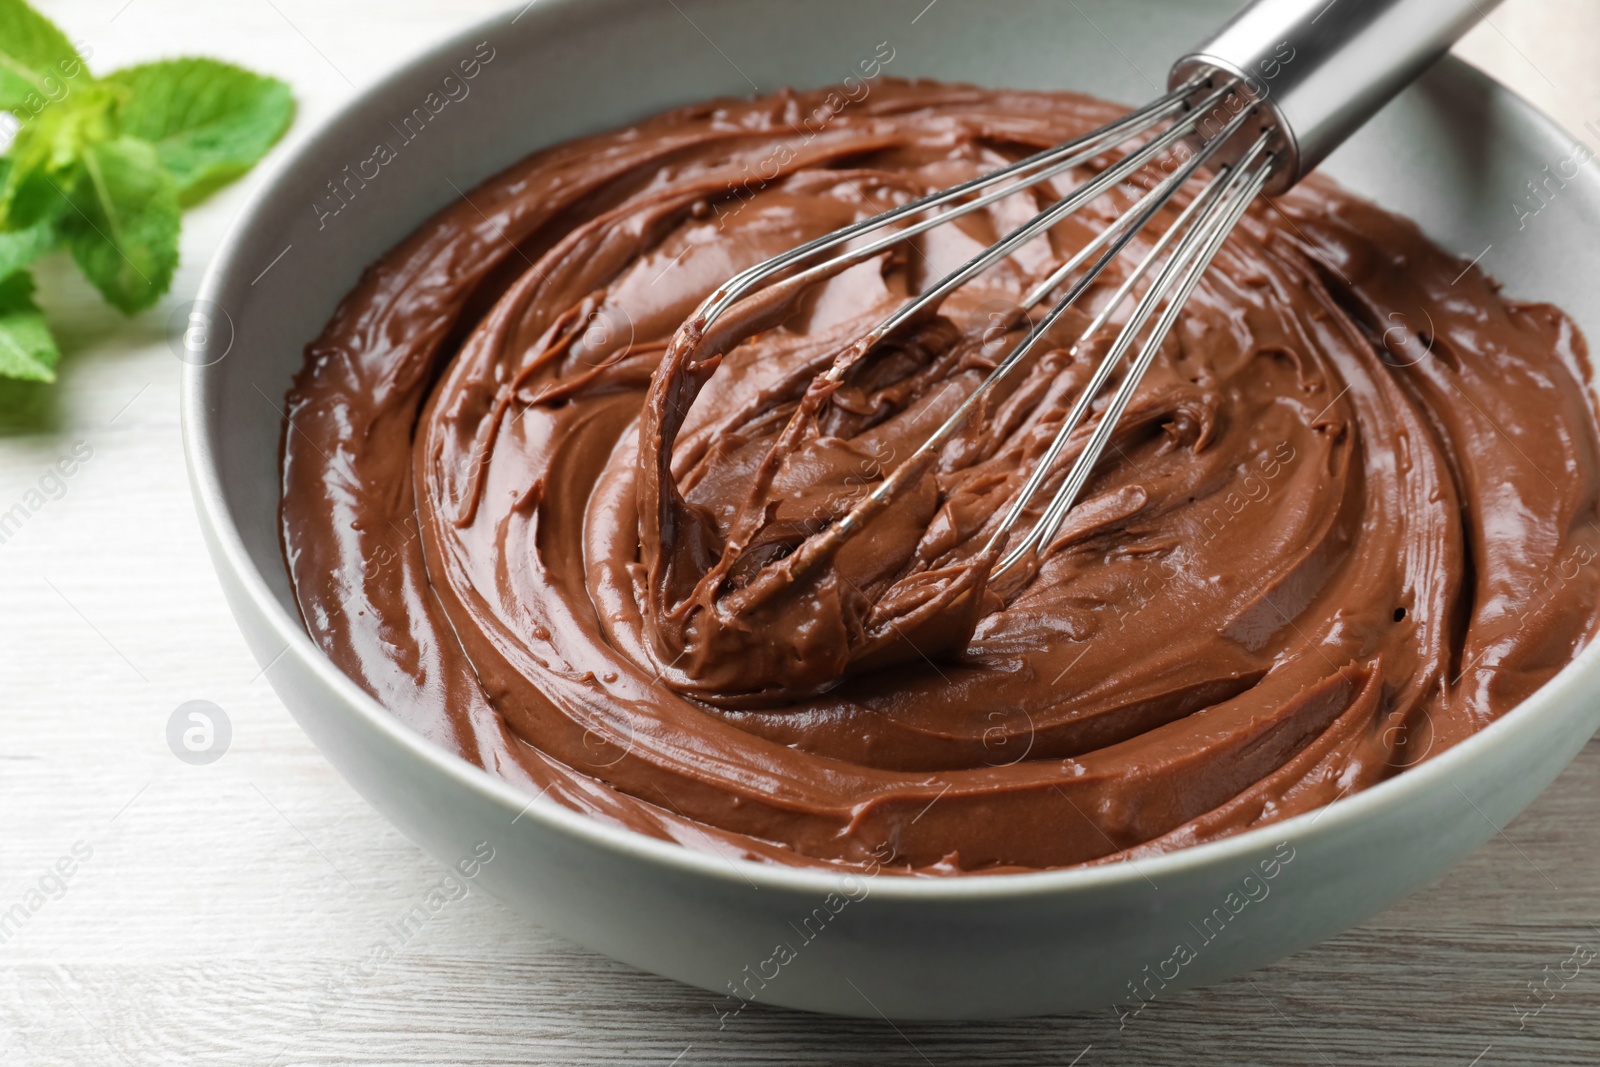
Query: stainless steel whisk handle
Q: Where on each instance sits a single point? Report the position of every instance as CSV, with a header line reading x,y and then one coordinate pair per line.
x,y
1324,67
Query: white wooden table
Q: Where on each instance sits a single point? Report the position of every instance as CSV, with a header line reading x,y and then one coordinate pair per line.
x,y
208,906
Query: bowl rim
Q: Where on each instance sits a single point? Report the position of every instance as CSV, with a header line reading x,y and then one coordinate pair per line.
x,y
231,558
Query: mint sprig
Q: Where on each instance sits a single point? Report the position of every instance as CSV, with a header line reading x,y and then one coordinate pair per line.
x,y
123,229
33,52
104,166
209,121
27,350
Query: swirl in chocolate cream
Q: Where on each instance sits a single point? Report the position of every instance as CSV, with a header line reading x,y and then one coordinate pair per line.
x,y
1349,519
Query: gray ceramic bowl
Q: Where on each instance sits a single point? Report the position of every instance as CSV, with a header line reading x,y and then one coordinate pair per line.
x,y
1453,153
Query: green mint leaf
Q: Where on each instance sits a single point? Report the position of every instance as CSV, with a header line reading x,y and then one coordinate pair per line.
x,y
36,60
27,350
18,248
123,229
45,159
209,121
22,246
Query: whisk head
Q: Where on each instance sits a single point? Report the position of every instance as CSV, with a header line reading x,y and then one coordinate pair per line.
x,y
754,608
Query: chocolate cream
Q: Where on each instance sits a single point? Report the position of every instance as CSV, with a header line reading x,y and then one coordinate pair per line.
x,y
1348,520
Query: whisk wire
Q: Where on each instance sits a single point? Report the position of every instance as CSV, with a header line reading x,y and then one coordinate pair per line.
x,y
1044,220
1194,237
1030,171
1238,186
818,548
1102,373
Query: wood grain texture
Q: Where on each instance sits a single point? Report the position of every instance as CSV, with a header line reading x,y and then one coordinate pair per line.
x,y
217,903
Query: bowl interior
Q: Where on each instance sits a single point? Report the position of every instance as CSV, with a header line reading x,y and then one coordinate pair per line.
x,y
1453,152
